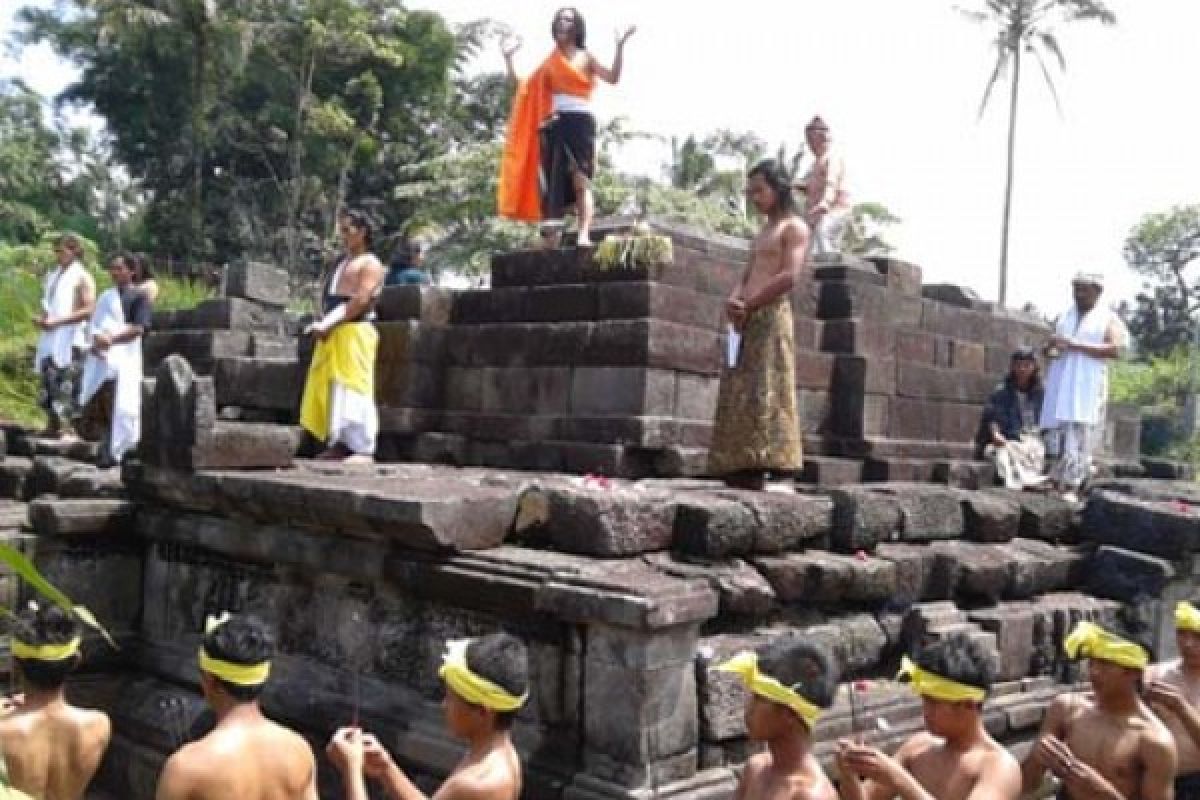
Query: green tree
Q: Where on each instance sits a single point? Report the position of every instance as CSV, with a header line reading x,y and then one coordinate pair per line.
x,y
1026,27
867,231
1164,248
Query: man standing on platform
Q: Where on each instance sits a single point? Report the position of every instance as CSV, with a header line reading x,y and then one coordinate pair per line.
x,y
1087,336
68,299
111,395
827,202
756,431
339,394
1173,691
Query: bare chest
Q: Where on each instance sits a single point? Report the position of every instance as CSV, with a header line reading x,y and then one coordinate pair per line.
x,y
945,776
1110,748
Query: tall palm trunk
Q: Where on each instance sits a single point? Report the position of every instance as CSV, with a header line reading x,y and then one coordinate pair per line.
x,y
199,141
1008,184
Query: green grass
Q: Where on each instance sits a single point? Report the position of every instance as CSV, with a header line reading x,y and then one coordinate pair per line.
x,y
21,267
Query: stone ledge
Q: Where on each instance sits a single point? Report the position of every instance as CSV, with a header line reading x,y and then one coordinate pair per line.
x,y
54,516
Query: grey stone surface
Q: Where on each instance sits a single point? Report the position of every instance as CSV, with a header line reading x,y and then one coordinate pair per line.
x,y
862,518
990,517
55,516
14,477
254,280
818,579
223,313
1169,528
927,512
620,520
742,591
1127,575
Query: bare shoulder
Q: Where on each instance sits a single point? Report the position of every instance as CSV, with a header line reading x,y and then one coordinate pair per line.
x,y
918,745
796,226
997,759
185,771
492,779
755,765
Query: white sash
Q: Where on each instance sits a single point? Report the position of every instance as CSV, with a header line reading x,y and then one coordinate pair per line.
x,y
1076,383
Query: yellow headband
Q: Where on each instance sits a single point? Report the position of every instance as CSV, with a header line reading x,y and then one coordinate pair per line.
x,y
928,684
45,652
1089,640
475,689
745,665
1187,617
237,674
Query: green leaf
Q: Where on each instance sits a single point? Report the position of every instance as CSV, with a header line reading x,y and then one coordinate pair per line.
x,y
18,563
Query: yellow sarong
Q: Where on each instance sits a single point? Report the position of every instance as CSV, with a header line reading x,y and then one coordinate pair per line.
x,y
345,356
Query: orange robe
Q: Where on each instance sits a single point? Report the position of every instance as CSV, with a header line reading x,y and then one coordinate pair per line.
x,y
518,194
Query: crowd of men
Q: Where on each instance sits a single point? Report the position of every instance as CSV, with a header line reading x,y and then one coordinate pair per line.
x,y
1134,734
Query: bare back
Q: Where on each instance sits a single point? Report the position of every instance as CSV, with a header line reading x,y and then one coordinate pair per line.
x,y
780,246
257,760
954,775
1116,747
494,776
760,781
53,753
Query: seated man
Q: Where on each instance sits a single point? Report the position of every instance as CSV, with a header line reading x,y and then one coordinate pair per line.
x,y
1106,743
406,269
111,394
487,681
338,407
51,750
1008,433
789,685
246,756
1173,690
955,758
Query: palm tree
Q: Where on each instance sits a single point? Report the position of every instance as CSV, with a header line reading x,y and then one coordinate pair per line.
x,y
1027,27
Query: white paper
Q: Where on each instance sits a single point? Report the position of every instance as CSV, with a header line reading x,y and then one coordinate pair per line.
x,y
733,347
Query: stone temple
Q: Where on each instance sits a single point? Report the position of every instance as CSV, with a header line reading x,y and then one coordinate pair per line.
x,y
626,588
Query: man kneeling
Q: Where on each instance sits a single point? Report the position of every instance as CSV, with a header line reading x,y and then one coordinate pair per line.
x,y
955,758
789,685
247,756
1106,743
50,748
487,681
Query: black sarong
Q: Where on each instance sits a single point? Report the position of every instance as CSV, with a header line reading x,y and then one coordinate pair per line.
x,y
1187,787
568,145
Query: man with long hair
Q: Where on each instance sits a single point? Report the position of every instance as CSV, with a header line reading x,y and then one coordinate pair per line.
x,y
550,150
1009,435
756,431
68,299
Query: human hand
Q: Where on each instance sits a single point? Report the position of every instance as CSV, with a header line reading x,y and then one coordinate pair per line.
x,y
735,312
11,703
45,323
1060,343
1165,696
377,762
622,38
510,44
869,763
101,342
345,750
998,439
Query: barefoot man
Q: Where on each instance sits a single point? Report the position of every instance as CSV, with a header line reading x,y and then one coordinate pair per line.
x,y
955,758
50,748
68,299
339,395
487,681
790,685
1106,744
1173,691
756,431
247,756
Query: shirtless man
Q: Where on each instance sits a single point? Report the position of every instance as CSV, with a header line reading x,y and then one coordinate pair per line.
x,y
790,681
827,202
50,748
339,395
1173,691
1106,744
756,430
246,756
487,681
955,758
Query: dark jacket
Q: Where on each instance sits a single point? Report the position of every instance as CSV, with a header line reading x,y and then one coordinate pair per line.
x,y
1004,410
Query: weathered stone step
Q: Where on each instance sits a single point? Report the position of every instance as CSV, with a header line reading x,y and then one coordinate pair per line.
x,y
50,515
222,313
13,515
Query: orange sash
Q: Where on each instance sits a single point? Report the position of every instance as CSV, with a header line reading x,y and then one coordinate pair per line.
x,y
518,195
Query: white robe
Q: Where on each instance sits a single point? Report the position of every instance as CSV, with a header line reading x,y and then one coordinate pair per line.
x,y
59,289
122,363
1076,383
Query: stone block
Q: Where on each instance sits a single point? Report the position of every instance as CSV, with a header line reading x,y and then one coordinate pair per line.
x,y
815,409
244,445
1038,567
814,370
606,523
13,515
863,518
742,591
1012,624
952,294
92,482
857,641
464,388
258,383
831,471
525,390
254,280
722,698
54,516
958,422
908,470
14,474
927,512
631,299
856,375
913,418
935,383
965,474
976,572
622,390
914,570
222,313
844,299
901,276
828,580
923,620
859,337
1126,575
695,396
990,517
425,303
1163,469
1162,528
1043,516
917,347
729,523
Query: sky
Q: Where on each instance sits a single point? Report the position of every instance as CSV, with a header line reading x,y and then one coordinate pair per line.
x,y
901,83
